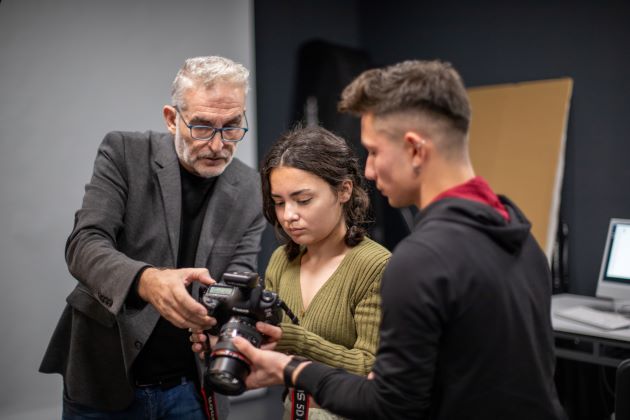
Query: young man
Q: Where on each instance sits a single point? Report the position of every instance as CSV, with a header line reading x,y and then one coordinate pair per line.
x,y
163,212
466,330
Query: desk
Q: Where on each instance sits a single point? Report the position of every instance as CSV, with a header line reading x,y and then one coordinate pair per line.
x,y
581,342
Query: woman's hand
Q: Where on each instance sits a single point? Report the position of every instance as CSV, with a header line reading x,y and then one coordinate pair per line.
x,y
273,333
199,340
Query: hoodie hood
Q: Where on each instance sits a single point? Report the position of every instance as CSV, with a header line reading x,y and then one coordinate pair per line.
x,y
509,235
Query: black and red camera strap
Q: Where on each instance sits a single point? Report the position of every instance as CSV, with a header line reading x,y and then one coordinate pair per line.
x,y
299,404
210,404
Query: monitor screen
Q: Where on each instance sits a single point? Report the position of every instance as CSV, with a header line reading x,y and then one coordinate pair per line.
x,y
614,277
618,264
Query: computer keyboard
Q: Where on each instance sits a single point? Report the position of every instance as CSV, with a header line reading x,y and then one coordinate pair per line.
x,y
595,317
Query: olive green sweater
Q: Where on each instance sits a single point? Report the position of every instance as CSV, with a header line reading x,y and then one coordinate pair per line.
x,y
340,326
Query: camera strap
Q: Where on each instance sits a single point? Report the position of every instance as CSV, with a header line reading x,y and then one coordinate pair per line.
x,y
299,404
209,403
300,400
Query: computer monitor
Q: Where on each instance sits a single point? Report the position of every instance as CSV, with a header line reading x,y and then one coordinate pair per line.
x,y
614,275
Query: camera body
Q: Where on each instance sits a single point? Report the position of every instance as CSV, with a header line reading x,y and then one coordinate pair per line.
x,y
237,304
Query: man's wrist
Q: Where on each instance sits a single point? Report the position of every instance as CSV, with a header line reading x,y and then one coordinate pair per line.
x,y
144,278
133,299
290,370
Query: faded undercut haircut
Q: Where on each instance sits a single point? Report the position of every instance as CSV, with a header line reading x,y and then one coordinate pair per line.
x,y
430,89
206,71
321,153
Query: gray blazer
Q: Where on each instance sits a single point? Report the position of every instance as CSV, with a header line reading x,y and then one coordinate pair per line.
x,y
130,218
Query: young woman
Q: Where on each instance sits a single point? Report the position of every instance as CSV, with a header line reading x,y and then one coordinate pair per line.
x,y
328,272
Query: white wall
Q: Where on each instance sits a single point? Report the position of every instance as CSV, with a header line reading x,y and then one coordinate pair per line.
x,y
71,70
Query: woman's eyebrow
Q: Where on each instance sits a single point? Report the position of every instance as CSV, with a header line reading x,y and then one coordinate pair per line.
x,y
293,194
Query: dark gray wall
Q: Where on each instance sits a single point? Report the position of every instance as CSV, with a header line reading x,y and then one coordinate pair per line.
x,y
492,42
496,41
489,42
281,27
71,70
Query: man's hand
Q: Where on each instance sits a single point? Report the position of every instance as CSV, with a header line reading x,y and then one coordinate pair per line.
x,y
166,291
273,333
266,366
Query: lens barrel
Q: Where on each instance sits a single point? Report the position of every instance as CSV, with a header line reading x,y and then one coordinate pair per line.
x,y
228,367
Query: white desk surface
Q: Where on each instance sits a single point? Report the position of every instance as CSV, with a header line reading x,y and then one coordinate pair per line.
x,y
559,324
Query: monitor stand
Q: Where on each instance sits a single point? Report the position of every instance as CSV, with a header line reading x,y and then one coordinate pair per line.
x,y
621,306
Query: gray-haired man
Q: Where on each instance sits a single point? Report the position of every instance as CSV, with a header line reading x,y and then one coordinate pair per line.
x,y
162,213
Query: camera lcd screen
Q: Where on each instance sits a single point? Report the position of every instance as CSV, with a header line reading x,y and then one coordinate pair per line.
x,y
220,290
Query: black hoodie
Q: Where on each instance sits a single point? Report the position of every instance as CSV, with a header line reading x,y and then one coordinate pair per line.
x,y
466,330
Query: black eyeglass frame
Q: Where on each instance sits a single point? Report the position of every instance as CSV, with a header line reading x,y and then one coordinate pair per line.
x,y
214,129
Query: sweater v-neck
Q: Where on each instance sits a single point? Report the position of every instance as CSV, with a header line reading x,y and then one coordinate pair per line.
x,y
298,266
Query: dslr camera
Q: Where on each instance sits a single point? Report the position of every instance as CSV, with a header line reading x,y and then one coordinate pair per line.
x,y
237,304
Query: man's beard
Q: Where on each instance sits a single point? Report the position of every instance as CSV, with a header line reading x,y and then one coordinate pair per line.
x,y
185,155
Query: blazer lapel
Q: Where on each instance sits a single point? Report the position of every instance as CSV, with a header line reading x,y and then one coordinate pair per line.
x,y
170,186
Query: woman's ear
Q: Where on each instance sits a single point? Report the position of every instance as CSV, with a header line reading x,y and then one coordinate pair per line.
x,y
345,191
170,115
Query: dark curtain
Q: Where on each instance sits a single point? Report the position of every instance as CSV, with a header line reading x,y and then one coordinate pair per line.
x,y
323,70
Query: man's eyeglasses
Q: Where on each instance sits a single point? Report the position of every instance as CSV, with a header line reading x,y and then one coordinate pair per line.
x,y
206,132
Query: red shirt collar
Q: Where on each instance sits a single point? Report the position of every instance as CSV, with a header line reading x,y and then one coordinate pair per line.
x,y
476,189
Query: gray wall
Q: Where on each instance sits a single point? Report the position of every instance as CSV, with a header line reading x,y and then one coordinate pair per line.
x,y
71,70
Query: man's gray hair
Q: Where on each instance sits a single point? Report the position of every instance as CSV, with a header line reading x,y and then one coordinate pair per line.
x,y
207,71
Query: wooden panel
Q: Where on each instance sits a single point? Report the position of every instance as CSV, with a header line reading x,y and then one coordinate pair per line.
x,y
517,140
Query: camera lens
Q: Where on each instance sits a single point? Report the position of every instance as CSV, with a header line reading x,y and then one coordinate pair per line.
x,y
228,367
227,373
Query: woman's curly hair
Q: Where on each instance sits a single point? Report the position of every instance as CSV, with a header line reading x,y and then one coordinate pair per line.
x,y
322,153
